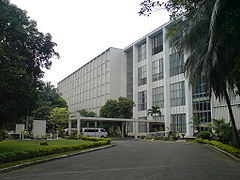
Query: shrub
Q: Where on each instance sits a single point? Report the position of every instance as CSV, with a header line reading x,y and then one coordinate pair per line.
x,y
204,135
44,144
225,147
87,138
223,131
47,150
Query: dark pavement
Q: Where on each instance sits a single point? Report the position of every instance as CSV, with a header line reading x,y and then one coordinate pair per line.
x,y
139,160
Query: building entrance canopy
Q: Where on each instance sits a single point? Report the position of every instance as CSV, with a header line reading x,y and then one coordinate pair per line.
x,y
135,122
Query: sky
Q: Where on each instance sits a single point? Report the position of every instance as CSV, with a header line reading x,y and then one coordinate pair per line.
x,y
84,29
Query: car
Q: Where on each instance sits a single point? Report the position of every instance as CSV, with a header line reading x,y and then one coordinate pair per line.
x,y
94,132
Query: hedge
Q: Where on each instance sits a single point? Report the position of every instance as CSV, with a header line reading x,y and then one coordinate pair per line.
x,y
27,154
87,138
234,151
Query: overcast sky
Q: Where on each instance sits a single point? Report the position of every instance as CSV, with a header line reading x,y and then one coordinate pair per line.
x,y
85,28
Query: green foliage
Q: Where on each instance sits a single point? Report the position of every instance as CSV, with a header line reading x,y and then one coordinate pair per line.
x,y
211,35
59,118
225,147
154,111
86,113
204,135
223,131
48,98
121,108
173,135
24,51
38,151
87,138
196,123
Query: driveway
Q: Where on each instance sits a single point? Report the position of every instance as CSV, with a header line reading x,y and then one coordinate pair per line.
x,y
140,160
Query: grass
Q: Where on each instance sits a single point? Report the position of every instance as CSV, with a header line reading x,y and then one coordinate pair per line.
x,y
15,146
5,165
21,145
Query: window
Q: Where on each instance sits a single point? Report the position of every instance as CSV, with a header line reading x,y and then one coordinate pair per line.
x,y
202,110
157,43
157,70
158,97
142,100
176,64
142,75
178,123
160,118
177,94
142,52
200,89
173,39
142,127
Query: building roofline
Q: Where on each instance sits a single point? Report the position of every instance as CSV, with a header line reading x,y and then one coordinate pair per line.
x,y
149,34
88,62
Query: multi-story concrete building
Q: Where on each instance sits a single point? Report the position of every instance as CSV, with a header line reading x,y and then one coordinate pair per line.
x,y
90,86
151,73
157,79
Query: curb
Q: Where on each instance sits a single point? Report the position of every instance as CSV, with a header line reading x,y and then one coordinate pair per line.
x,y
226,153
53,158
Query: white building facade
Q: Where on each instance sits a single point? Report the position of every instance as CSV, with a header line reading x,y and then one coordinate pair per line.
x,y
158,80
90,86
151,73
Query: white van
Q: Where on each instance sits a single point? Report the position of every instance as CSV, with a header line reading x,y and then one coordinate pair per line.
x,y
94,132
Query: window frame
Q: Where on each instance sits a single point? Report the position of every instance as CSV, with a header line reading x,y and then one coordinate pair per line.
x,y
176,63
158,96
142,75
157,43
142,100
177,94
157,70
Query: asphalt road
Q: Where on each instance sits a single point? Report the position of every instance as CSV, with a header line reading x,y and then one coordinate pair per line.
x,y
137,160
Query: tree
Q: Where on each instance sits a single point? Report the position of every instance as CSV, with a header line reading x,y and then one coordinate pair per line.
x,y
222,131
59,118
121,108
154,112
23,52
210,34
85,113
47,99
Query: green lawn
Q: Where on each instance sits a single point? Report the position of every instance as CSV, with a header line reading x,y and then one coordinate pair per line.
x,y
21,145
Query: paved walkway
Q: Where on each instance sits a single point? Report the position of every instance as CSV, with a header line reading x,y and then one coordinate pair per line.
x,y
140,160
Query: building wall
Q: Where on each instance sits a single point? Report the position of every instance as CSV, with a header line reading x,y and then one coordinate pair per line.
x,y
167,111
130,72
220,109
90,86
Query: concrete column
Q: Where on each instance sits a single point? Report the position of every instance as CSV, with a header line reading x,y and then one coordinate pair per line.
x,y
147,127
78,126
122,129
149,73
166,111
69,127
135,82
135,129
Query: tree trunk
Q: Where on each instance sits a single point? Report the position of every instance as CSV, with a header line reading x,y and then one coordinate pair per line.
x,y
236,141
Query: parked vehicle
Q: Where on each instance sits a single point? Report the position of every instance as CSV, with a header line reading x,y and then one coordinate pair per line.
x,y
94,132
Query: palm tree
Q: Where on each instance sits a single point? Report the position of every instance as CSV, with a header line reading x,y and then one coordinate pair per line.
x,y
154,112
211,37
212,51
